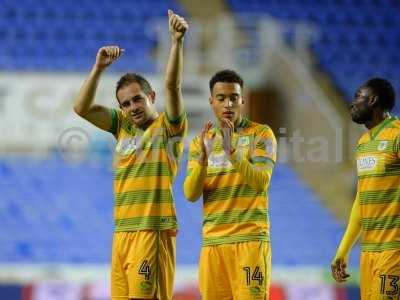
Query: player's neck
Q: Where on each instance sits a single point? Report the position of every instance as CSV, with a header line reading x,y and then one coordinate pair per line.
x,y
376,119
150,121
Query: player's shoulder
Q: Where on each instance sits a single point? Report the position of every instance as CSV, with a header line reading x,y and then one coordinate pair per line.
x,y
120,123
364,138
259,128
392,130
160,122
395,124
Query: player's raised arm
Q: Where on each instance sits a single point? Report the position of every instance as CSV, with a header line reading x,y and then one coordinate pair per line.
x,y
84,106
173,75
197,165
340,262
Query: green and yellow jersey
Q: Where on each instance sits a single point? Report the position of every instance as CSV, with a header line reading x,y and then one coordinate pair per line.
x,y
235,200
378,190
145,164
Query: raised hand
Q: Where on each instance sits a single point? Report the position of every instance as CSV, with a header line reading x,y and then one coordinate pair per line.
x,y
203,148
228,128
338,268
177,25
107,55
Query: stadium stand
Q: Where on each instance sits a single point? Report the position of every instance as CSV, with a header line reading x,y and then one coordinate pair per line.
x,y
65,36
51,210
357,39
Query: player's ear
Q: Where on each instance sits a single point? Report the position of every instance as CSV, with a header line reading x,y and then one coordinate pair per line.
x,y
210,100
152,96
373,100
119,104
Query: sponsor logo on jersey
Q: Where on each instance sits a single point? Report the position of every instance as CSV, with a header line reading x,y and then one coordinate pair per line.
x,y
367,163
127,146
219,161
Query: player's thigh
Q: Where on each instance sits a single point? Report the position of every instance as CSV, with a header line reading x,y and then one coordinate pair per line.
x,y
119,282
141,262
386,284
213,276
253,270
367,266
167,254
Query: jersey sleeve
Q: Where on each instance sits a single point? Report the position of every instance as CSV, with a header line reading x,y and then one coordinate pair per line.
x,y
264,148
396,146
257,169
176,127
195,173
116,120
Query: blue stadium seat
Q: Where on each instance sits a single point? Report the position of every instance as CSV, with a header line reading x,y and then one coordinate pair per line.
x,y
58,31
63,213
369,29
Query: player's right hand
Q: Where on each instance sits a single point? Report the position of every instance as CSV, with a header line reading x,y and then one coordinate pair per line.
x,y
338,268
107,55
203,146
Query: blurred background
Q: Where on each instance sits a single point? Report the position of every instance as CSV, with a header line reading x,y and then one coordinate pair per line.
x,y
301,60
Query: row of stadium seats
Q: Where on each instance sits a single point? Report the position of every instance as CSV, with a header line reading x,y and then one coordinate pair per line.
x,y
55,212
357,39
65,36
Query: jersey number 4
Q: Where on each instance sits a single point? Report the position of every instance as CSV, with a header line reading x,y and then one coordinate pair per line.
x,y
256,276
145,269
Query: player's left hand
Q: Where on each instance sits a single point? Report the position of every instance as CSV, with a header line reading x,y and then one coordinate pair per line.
x,y
228,129
177,25
338,268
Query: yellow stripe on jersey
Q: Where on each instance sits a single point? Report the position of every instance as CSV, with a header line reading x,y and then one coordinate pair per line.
x,y
145,164
378,168
234,208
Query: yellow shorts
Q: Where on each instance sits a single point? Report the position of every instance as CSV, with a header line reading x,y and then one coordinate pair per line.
x,y
143,264
380,275
238,271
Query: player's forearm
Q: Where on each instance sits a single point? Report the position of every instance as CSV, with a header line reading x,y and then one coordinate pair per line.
x,y
193,185
85,99
173,79
352,231
257,177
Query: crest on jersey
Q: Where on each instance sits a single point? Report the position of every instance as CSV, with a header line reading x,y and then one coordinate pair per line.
x,y
382,145
243,141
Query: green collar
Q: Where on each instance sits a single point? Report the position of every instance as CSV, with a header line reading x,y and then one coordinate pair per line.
x,y
378,128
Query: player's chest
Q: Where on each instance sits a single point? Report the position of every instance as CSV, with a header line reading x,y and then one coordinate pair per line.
x,y
376,157
218,160
140,142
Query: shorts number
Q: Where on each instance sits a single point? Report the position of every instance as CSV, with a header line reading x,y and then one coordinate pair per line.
x,y
393,284
145,269
256,276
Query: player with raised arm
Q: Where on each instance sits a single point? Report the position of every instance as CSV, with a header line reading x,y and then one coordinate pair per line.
x,y
143,251
230,165
376,209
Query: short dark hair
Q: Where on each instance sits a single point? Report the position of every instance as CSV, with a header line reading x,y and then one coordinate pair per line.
x,y
226,76
384,90
129,78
